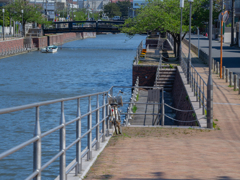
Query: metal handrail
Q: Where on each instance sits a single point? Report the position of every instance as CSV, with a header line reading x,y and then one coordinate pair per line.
x,y
197,84
158,70
133,99
36,140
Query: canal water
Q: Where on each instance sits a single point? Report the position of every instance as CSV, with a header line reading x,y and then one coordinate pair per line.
x,y
78,68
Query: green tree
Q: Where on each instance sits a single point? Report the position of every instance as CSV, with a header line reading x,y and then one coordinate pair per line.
x,y
123,7
30,13
6,17
112,9
161,16
164,16
80,15
201,13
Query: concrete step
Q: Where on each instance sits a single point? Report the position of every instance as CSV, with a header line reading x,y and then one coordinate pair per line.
x,y
165,79
168,69
163,82
172,76
168,72
167,85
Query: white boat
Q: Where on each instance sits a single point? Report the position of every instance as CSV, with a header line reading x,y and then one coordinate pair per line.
x,y
49,49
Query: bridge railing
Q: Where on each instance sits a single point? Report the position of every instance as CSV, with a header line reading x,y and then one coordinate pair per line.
x,y
99,126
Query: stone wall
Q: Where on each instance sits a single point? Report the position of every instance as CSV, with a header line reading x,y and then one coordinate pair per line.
x,y
146,74
44,41
40,42
181,101
202,55
7,45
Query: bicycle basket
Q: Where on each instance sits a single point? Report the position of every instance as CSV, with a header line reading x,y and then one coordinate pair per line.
x,y
115,100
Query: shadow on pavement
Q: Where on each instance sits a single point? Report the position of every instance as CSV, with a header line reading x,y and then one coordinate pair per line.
x,y
159,176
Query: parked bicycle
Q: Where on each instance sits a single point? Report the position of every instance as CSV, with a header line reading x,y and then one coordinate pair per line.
x,y
115,118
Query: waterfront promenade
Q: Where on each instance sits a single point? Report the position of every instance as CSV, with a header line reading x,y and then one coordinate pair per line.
x,y
230,54
161,153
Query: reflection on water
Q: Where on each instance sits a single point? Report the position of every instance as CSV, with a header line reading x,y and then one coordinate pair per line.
x,y
79,67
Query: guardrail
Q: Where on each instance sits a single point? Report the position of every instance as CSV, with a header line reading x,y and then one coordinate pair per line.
x,y
38,135
198,85
230,78
133,99
16,50
158,70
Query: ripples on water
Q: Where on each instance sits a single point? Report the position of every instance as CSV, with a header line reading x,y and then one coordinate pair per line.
x,y
79,67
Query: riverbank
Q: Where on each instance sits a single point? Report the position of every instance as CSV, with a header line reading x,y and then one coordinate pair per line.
x,y
36,43
161,153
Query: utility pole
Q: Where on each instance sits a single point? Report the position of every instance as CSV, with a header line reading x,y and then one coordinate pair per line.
x,y
210,83
72,10
189,52
180,38
233,19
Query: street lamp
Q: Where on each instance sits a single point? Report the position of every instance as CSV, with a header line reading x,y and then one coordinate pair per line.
x,y
22,22
3,10
233,19
189,51
180,43
210,83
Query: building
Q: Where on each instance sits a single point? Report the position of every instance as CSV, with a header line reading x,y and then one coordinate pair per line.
x,y
93,5
3,2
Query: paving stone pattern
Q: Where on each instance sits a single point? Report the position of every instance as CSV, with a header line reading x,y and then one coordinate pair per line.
x,y
163,154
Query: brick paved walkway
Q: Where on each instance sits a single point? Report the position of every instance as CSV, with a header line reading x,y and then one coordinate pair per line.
x,y
159,153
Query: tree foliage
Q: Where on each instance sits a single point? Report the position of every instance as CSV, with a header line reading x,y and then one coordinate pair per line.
x,y
123,7
164,16
112,9
31,13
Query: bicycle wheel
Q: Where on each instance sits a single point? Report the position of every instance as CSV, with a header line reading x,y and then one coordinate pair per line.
x,y
119,122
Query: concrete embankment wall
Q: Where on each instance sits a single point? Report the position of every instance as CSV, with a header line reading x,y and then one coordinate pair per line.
x,y
182,101
44,41
202,54
146,74
7,45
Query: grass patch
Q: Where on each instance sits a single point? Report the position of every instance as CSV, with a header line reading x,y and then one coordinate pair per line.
x,y
125,135
214,125
236,89
134,109
139,62
230,86
137,98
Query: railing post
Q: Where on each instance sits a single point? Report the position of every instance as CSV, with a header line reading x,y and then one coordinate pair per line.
x,y
163,111
62,144
231,79
203,101
217,68
37,151
214,66
97,121
223,72
103,116
78,168
89,155
196,92
235,82
227,74
239,86
200,94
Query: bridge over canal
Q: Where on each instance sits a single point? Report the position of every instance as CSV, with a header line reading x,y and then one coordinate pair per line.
x,y
84,26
